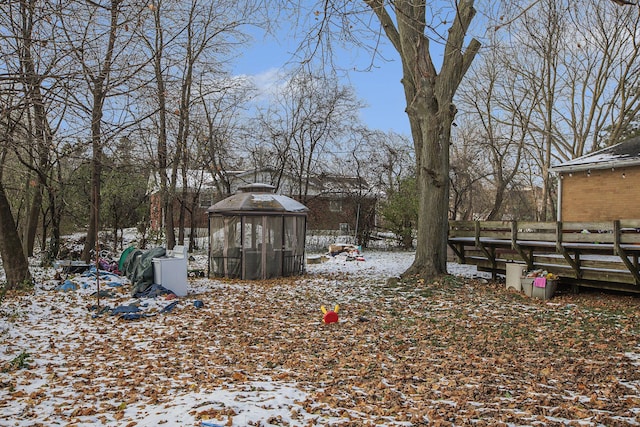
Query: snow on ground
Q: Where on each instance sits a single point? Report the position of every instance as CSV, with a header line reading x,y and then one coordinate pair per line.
x,y
385,264
66,363
57,317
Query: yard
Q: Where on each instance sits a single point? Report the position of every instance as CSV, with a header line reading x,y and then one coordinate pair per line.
x,y
404,353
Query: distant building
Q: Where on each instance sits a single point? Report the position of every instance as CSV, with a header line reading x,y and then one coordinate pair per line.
x,y
602,186
337,203
198,196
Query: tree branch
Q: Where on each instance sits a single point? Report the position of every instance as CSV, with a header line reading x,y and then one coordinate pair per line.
x,y
455,63
377,6
624,2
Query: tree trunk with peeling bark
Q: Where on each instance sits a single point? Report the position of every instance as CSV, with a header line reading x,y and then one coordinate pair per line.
x,y
429,95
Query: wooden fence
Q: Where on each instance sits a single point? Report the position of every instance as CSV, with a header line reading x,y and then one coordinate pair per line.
x,y
595,254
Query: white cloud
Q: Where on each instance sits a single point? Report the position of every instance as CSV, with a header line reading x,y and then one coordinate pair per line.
x,y
269,82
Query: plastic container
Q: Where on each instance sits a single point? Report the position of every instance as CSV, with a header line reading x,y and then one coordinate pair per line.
x,y
514,274
545,293
171,271
527,285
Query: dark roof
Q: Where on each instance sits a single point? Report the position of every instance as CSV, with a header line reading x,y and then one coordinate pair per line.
x,y
338,183
626,153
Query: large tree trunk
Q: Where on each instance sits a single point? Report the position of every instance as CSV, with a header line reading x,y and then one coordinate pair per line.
x,y
41,131
15,264
96,174
158,67
433,189
33,220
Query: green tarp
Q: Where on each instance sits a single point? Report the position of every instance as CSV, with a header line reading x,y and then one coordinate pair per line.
x,y
138,267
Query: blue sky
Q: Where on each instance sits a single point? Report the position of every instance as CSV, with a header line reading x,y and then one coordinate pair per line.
x,y
380,88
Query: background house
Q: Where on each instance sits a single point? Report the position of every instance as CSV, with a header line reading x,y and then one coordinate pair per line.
x,y
198,195
342,204
602,186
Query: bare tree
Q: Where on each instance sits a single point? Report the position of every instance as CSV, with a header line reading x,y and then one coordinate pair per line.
x,y
211,150
97,36
20,22
35,64
301,125
429,94
220,128
368,173
468,172
500,105
603,76
388,157
579,64
41,131
429,90
14,260
196,34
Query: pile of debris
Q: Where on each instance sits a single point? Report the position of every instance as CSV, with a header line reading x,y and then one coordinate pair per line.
x,y
348,251
126,287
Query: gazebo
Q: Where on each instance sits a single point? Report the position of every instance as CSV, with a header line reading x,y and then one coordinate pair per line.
x,y
256,234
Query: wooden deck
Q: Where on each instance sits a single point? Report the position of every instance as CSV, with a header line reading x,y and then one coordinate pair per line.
x,y
595,254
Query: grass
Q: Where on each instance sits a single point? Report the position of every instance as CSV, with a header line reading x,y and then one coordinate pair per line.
x,y
21,361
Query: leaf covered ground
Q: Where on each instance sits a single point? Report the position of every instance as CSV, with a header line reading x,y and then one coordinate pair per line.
x,y
459,351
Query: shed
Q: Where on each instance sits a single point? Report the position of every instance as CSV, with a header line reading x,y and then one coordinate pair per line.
x,y
257,234
602,186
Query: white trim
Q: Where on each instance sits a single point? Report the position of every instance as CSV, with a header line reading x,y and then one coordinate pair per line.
x,y
596,166
559,207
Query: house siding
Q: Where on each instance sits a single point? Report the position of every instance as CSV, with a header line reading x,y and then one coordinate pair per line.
x,y
329,213
601,195
201,214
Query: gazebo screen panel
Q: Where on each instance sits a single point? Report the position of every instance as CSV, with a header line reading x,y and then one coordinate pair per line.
x,y
272,248
226,245
262,247
252,237
294,243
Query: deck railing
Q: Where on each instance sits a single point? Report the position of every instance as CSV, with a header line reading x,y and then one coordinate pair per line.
x,y
596,254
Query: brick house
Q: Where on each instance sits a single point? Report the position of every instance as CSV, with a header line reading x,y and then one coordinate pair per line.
x,y
341,203
198,197
336,203
602,186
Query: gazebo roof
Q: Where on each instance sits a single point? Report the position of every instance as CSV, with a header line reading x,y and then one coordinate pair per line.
x,y
258,198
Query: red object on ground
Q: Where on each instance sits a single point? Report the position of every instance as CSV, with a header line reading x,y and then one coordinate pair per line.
x,y
330,317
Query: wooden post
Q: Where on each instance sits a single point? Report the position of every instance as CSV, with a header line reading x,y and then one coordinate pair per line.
x,y
574,263
617,249
514,245
95,192
477,233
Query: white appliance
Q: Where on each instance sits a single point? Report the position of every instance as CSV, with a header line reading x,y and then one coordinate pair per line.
x,y
170,271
